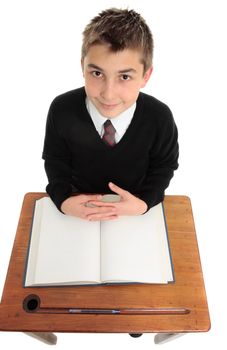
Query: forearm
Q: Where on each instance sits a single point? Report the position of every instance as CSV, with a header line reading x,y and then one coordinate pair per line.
x,y
60,185
162,164
153,188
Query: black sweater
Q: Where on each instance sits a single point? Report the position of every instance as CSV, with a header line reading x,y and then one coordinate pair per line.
x,y
78,161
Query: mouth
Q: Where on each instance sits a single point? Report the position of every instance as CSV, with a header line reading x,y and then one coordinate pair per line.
x,y
108,106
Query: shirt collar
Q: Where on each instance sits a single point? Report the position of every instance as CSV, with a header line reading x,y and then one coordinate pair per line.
x,y
96,117
120,123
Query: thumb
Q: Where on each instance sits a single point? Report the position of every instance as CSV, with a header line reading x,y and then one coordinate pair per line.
x,y
91,197
123,193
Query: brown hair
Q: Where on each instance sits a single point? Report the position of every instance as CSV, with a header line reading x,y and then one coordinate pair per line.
x,y
120,29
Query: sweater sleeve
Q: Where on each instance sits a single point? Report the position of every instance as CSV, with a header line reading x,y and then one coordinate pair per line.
x,y
163,160
57,163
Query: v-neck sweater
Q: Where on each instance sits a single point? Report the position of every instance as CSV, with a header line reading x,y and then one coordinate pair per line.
x,y
78,161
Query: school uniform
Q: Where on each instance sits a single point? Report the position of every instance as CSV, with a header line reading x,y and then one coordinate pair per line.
x,y
78,161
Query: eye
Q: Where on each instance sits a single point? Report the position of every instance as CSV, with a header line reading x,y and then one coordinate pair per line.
x,y
125,77
96,74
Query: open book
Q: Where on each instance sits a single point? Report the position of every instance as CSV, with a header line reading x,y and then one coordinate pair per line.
x,y
66,250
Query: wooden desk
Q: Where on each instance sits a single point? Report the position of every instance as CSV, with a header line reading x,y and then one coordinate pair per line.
x,y
187,292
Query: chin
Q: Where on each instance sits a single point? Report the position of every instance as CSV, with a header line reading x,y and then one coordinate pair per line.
x,y
108,114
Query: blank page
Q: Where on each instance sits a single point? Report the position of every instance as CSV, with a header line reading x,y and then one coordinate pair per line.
x,y
68,249
135,248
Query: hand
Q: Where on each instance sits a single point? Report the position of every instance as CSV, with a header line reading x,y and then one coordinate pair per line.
x,y
80,206
128,205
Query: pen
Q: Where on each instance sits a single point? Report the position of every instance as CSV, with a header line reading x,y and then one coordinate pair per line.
x,y
93,311
132,311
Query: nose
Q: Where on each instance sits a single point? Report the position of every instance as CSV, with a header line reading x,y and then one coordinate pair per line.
x,y
109,90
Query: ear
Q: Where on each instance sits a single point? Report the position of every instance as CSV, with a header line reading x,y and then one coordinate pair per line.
x,y
146,76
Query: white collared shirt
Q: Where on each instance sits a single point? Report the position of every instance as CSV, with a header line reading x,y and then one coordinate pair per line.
x,y
120,123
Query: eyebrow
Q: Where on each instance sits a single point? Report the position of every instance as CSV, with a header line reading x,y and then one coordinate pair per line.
x,y
123,71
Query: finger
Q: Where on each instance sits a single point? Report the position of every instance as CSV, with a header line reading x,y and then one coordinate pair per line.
x,y
89,197
102,204
109,218
102,218
99,211
118,190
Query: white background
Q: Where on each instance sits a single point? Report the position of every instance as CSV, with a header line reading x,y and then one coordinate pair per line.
x,y
40,58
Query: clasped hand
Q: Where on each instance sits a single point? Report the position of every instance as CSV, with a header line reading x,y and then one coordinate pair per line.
x,y
92,208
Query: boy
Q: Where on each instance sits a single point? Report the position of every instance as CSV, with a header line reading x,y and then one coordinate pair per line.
x,y
135,153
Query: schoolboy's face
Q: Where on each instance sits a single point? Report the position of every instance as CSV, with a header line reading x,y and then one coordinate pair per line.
x,y
113,79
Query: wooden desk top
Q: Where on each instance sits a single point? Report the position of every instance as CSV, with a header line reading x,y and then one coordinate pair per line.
x,y
187,292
